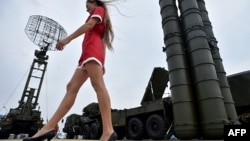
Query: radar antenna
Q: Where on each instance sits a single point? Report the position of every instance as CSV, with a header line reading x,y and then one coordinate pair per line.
x,y
26,118
44,32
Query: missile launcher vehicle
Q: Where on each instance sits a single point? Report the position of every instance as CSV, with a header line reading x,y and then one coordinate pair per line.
x,y
155,111
154,118
203,99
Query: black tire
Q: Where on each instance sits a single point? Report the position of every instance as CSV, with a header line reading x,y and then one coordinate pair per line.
x,y
156,127
94,131
86,132
135,129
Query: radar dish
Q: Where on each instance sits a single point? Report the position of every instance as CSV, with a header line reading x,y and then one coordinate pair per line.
x,y
44,32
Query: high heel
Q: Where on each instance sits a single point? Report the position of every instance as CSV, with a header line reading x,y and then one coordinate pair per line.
x,y
113,137
48,135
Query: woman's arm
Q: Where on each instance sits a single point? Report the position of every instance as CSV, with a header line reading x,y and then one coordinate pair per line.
x,y
81,30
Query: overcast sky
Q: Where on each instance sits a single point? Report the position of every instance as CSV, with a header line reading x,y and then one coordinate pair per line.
x,y
138,49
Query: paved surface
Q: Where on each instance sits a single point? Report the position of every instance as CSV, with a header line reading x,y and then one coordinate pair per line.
x,y
96,140
51,140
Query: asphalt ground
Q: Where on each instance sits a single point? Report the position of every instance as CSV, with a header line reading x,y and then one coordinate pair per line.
x,y
97,140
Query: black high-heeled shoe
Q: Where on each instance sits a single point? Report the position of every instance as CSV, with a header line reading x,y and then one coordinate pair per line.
x,y
48,135
113,137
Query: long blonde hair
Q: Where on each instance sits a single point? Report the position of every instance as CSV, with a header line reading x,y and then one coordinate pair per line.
x,y
108,33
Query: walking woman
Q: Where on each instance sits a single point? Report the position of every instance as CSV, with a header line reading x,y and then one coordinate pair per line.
x,y
98,35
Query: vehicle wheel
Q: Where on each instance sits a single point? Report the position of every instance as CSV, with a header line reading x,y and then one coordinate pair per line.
x,y
135,129
94,131
85,131
156,127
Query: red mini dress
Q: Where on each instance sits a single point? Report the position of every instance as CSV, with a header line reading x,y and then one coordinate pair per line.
x,y
92,46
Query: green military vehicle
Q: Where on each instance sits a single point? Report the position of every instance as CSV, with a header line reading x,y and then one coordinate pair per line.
x,y
151,119
26,118
203,99
240,89
154,118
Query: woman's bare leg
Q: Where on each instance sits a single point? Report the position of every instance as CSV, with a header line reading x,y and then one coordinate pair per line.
x,y
95,73
79,77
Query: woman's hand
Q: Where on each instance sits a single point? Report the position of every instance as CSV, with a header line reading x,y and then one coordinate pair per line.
x,y
60,44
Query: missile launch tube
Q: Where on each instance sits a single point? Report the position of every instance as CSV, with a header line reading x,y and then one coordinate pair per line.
x,y
208,94
225,89
185,120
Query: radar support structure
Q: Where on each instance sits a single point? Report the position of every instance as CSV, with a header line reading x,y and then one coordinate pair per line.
x,y
26,118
